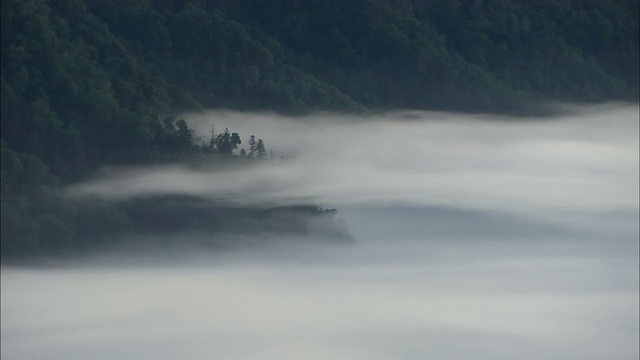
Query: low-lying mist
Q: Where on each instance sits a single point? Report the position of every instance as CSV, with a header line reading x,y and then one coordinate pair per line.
x,y
477,237
586,160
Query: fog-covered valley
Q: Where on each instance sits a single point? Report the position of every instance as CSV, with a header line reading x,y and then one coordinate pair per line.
x,y
476,237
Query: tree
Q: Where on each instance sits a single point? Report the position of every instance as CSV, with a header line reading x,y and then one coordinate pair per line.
x,y
227,142
184,135
261,152
253,150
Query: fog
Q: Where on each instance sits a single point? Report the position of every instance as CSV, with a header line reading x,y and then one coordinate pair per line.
x,y
478,237
579,161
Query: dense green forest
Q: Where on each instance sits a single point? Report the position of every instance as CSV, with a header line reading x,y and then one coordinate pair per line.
x,y
89,83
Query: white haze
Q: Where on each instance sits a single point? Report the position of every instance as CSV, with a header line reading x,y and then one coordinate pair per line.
x,y
579,161
478,237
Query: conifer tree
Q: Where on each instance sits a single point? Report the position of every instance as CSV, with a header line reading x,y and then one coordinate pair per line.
x,y
227,142
261,151
253,150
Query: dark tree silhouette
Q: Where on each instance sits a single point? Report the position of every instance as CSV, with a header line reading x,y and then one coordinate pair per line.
x,y
227,142
253,151
261,150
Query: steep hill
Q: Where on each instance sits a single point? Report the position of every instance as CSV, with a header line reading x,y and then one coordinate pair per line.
x,y
89,83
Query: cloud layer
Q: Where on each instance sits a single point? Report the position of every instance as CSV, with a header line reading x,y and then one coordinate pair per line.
x,y
478,238
587,159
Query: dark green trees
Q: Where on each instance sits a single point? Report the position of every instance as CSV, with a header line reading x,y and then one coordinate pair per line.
x,y
261,152
253,150
257,149
88,83
36,220
226,142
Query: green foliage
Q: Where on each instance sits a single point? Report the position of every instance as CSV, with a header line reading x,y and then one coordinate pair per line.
x,y
257,150
261,152
89,83
563,50
36,220
226,142
86,83
253,147
178,214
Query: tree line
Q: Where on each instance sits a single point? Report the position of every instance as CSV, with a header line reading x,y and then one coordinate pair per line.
x,y
225,143
85,84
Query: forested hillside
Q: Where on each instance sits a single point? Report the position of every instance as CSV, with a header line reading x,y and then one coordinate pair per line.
x,y
89,83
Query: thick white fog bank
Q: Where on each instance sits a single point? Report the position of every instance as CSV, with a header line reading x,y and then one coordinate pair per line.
x,y
369,301
477,238
584,160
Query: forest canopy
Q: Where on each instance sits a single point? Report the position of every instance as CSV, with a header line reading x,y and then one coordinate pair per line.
x,y
89,83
